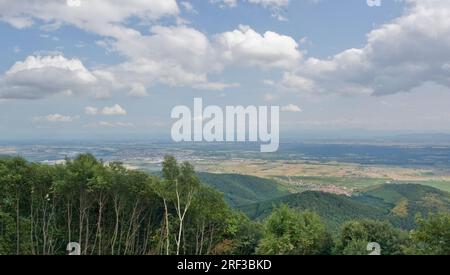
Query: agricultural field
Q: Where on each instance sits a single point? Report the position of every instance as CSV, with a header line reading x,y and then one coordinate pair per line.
x,y
333,177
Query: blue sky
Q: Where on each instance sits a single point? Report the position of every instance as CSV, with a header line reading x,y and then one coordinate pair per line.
x,y
109,68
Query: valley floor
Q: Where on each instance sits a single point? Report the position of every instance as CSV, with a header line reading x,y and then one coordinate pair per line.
x,y
332,177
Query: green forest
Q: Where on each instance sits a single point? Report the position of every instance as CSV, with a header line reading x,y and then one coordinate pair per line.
x,y
110,210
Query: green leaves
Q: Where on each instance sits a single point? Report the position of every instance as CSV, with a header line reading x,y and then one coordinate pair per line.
x,y
288,232
433,235
112,210
355,235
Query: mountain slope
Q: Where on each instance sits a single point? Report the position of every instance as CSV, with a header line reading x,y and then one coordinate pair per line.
x,y
334,209
397,203
405,201
241,190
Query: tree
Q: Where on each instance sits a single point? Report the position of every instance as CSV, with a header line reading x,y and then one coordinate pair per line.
x,y
356,235
212,223
109,209
288,232
184,182
246,235
432,235
14,179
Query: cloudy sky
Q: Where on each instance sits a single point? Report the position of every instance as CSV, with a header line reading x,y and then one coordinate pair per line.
x,y
82,68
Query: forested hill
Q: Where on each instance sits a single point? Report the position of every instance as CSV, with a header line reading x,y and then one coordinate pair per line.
x,y
335,209
398,203
405,201
241,189
109,210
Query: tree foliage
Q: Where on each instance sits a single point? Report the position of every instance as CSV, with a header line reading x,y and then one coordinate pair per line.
x,y
288,232
110,210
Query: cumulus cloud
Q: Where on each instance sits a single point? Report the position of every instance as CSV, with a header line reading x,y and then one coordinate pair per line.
x,y
178,55
291,108
115,110
40,76
248,47
23,13
399,56
175,55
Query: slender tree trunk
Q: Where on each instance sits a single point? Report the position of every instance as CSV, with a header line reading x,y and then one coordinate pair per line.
x,y
116,226
69,220
32,226
44,231
17,224
99,228
202,240
86,237
167,227
181,216
211,240
80,221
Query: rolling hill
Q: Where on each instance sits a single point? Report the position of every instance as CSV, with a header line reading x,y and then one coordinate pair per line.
x,y
335,209
242,190
397,203
405,201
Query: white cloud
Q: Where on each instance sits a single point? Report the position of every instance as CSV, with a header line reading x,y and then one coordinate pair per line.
x,y
217,86
177,55
302,84
22,13
138,90
187,6
183,56
264,3
276,6
92,111
225,3
115,124
40,76
398,57
269,50
271,3
115,110
57,62
55,118
291,108
270,97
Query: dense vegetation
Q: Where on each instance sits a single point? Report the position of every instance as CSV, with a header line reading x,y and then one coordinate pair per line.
x,y
242,189
397,203
108,209
335,209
